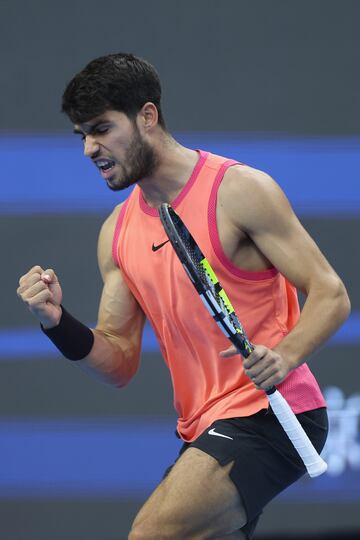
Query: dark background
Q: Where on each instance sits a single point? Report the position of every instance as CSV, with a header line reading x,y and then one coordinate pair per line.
x,y
276,68
273,66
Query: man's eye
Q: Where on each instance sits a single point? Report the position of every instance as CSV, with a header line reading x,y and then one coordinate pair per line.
x,y
97,131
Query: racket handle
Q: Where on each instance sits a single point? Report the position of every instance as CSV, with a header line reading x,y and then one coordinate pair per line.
x,y
313,462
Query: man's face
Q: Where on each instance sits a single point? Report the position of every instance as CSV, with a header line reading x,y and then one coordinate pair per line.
x,y
117,148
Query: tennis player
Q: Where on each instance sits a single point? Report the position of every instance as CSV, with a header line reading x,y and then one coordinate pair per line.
x,y
235,456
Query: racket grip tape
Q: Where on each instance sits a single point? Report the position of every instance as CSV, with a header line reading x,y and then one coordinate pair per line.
x,y
313,462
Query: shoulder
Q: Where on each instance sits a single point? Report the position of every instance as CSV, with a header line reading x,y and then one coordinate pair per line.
x,y
106,236
251,197
242,179
108,227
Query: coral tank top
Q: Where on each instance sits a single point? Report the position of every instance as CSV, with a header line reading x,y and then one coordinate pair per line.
x,y
206,387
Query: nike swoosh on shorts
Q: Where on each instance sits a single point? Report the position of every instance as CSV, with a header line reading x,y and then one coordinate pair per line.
x,y
213,432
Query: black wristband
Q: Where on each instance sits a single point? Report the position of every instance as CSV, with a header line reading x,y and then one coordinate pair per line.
x,y
73,339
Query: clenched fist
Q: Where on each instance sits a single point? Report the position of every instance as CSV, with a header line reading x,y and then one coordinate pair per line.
x,y
40,290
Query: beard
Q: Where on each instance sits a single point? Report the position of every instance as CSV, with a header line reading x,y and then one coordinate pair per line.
x,y
140,162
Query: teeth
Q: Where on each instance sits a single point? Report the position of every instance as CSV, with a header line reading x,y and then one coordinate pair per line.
x,y
105,164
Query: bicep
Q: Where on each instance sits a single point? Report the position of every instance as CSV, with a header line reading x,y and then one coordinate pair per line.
x,y
120,317
292,251
272,225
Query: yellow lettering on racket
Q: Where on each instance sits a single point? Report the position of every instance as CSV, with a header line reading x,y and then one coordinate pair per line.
x,y
214,280
210,272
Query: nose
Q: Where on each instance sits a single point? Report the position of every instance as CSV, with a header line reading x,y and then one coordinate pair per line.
x,y
91,147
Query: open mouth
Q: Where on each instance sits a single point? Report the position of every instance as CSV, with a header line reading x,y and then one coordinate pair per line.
x,y
105,164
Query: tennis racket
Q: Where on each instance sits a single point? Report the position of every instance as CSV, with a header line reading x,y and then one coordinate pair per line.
x,y
219,306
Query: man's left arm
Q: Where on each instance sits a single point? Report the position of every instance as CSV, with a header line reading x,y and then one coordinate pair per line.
x,y
267,218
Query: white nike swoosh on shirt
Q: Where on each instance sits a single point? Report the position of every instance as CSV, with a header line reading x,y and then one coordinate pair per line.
x,y
213,432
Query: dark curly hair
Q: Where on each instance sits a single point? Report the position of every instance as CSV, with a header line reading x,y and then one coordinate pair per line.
x,y
121,82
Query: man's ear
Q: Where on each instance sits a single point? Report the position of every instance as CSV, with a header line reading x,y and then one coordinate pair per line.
x,y
148,116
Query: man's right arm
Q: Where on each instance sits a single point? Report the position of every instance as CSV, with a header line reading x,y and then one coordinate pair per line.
x,y
115,355
113,347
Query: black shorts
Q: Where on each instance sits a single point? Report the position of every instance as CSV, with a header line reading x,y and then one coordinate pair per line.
x,y
265,461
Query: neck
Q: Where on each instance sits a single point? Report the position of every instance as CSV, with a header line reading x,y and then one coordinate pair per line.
x,y
174,168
